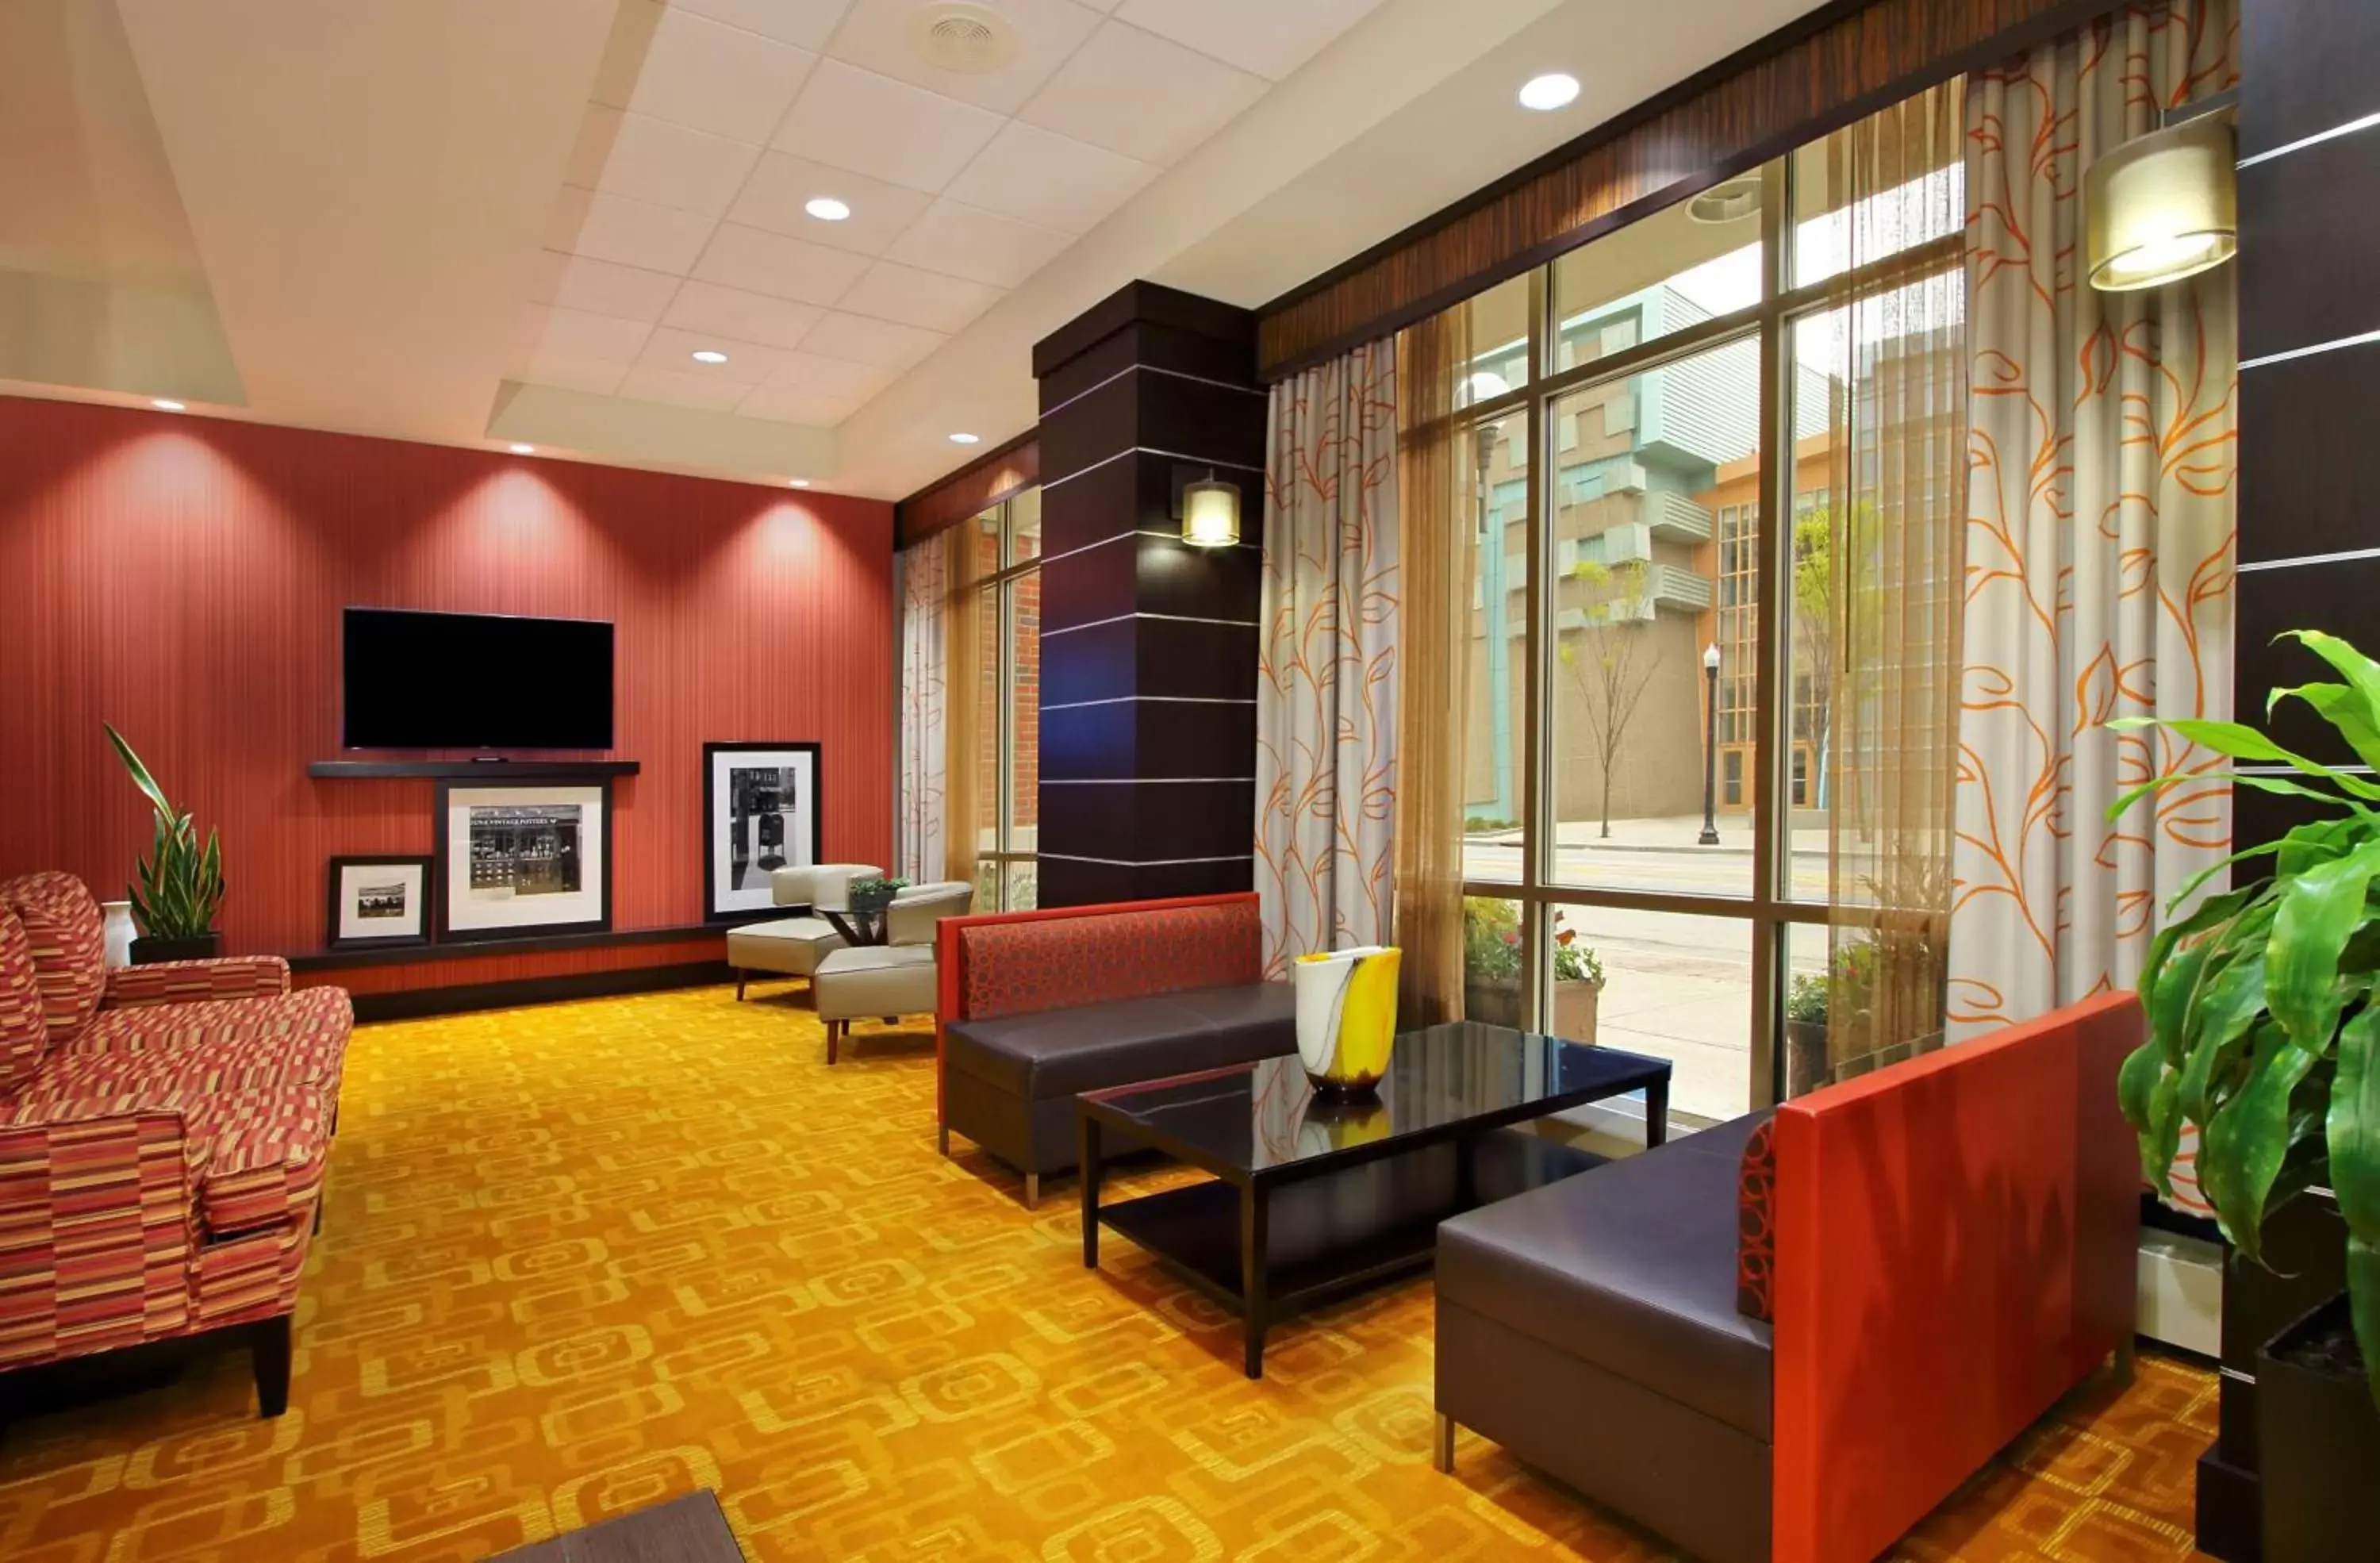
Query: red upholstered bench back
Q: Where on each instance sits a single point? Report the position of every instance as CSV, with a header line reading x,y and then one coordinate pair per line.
x,y
1020,964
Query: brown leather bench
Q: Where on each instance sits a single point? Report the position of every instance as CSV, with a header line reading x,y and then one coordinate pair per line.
x,y
1038,1007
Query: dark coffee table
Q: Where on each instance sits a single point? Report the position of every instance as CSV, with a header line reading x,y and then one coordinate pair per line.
x,y
1315,1199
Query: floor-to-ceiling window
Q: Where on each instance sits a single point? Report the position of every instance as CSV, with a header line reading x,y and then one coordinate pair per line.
x,y
1652,665
1007,543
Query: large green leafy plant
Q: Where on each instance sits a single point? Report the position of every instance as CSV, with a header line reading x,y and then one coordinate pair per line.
x,y
2265,1028
181,882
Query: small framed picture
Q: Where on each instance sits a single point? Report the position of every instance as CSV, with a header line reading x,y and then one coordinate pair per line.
x,y
760,813
378,901
518,859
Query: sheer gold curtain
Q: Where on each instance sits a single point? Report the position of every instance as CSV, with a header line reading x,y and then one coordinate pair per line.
x,y
1434,484
964,710
1894,519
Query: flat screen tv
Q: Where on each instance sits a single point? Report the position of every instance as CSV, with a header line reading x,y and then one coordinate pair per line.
x,y
474,681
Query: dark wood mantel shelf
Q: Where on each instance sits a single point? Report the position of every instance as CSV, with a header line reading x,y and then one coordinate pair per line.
x,y
474,770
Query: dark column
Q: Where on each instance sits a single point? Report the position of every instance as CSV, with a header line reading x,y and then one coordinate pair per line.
x,y
1148,646
2309,549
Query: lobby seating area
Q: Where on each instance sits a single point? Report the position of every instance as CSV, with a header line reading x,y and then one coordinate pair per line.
x,y
1188,782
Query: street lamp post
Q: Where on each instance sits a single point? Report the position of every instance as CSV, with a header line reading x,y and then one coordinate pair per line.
x,y
1710,747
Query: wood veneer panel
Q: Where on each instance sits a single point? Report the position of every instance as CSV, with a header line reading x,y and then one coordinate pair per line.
x,y
1822,72
183,577
972,489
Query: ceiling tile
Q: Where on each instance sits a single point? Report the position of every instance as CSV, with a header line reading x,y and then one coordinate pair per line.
x,y
672,350
695,72
863,340
600,376
652,160
601,287
806,24
1147,97
784,268
740,316
851,119
633,233
577,333
791,404
980,246
875,36
783,185
1037,177
910,297
1267,37
822,376
683,389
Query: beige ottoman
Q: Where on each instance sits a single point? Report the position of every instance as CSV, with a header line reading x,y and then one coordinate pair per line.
x,y
794,946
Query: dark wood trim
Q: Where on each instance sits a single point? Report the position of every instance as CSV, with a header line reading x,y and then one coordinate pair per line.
x,y
1141,303
1818,74
414,1003
473,771
536,944
1003,471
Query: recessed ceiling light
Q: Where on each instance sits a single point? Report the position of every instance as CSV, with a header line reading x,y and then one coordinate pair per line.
x,y
966,439
165,405
1546,92
798,483
709,356
524,450
826,209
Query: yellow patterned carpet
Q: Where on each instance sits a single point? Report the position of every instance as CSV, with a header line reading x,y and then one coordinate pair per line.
x,y
580,1258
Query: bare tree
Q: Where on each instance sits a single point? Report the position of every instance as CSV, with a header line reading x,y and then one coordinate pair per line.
x,y
1612,657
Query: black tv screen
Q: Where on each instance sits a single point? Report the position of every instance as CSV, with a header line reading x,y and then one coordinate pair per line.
x,y
475,681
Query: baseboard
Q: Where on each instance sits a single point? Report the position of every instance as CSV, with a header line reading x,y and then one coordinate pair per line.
x,y
416,1003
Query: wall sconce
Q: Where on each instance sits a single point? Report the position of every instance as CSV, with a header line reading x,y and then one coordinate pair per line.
x,y
2164,206
1210,513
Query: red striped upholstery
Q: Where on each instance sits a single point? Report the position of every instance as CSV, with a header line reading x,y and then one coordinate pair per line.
x,y
69,956
24,1035
189,982
161,1158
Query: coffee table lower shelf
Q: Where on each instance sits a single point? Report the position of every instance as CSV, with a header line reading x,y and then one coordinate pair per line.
x,y
1325,1237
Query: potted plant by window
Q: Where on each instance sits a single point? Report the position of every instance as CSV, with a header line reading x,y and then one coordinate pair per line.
x,y
2264,1035
1491,971
180,884
1805,1032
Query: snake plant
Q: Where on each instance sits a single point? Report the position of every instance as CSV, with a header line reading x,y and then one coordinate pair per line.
x,y
2264,1027
181,882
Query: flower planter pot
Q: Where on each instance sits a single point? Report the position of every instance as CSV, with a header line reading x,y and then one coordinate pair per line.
x,y
148,950
2319,1442
1499,1003
1805,1057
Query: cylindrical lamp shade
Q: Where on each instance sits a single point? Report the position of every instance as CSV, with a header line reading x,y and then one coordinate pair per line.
x,y
2162,207
1210,514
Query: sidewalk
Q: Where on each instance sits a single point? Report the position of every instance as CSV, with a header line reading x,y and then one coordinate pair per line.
x,y
1672,834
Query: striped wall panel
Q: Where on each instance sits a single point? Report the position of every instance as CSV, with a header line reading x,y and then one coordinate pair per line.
x,y
183,578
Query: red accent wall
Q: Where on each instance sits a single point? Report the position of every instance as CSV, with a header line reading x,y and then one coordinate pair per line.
x,y
183,577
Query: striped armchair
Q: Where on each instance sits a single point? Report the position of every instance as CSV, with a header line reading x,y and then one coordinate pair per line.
x,y
163,1132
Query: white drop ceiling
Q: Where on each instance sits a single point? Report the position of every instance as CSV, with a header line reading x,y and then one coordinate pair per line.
x,y
482,224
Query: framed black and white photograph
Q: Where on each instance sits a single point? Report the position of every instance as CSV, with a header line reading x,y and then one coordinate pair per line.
x,y
521,859
379,901
760,813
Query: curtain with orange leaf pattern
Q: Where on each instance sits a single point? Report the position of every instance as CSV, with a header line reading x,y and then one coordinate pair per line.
x,y
1326,681
2099,538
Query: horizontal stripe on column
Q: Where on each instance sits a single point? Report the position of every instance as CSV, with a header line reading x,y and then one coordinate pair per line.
x,y
1170,618
1105,884
2336,597
1145,739
2361,340
2304,254
1148,781
1176,659
1154,369
1149,820
1143,862
1128,699
1135,532
2307,462
2250,566
1155,451
2369,121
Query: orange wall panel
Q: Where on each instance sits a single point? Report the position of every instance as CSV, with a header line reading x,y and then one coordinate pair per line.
x,y
183,577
